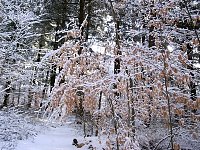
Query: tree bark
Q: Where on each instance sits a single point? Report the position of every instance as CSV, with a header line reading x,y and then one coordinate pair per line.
x,y
88,20
7,94
53,68
81,19
30,97
19,94
99,107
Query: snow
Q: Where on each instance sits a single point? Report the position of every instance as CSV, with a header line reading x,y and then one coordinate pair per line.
x,y
59,138
197,65
15,127
20,131
170,48
98,49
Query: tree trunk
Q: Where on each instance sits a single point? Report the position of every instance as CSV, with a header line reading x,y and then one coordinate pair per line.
x,y
81,19
30,97
7,94
99,107
44,92
151,36
168,102
19,94
193,92
52,77
53,68
132,121
116,68
88,20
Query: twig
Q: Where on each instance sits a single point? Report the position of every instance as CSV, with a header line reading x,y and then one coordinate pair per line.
x,y
161,141
189,14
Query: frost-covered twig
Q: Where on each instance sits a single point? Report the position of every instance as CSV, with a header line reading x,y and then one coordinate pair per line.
x,y
161,141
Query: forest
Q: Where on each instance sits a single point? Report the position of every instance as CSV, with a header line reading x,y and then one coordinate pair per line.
x,y
125,73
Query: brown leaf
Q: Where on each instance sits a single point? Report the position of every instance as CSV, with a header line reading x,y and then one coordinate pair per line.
x,y
176,146
184,47
181,122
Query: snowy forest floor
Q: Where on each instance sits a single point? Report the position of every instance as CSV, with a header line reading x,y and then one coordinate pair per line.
x,y
54,138
22,130
19,131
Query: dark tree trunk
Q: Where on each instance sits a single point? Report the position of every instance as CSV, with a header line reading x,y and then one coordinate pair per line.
x,y
52,77
132,110
80,93
117,66
7,94
81,13
151,43
30,96
41,44
53,68
19,94
190,66
88,20
45,85
99,107
117,60
151,37
193,92
100,97
81,19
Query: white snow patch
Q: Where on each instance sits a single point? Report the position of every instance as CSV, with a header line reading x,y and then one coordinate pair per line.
x,y
170,48
197,65
59,138
97,48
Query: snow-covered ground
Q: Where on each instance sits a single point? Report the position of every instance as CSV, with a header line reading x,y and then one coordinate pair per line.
x,y
24,132
59,138
16,127
19,131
